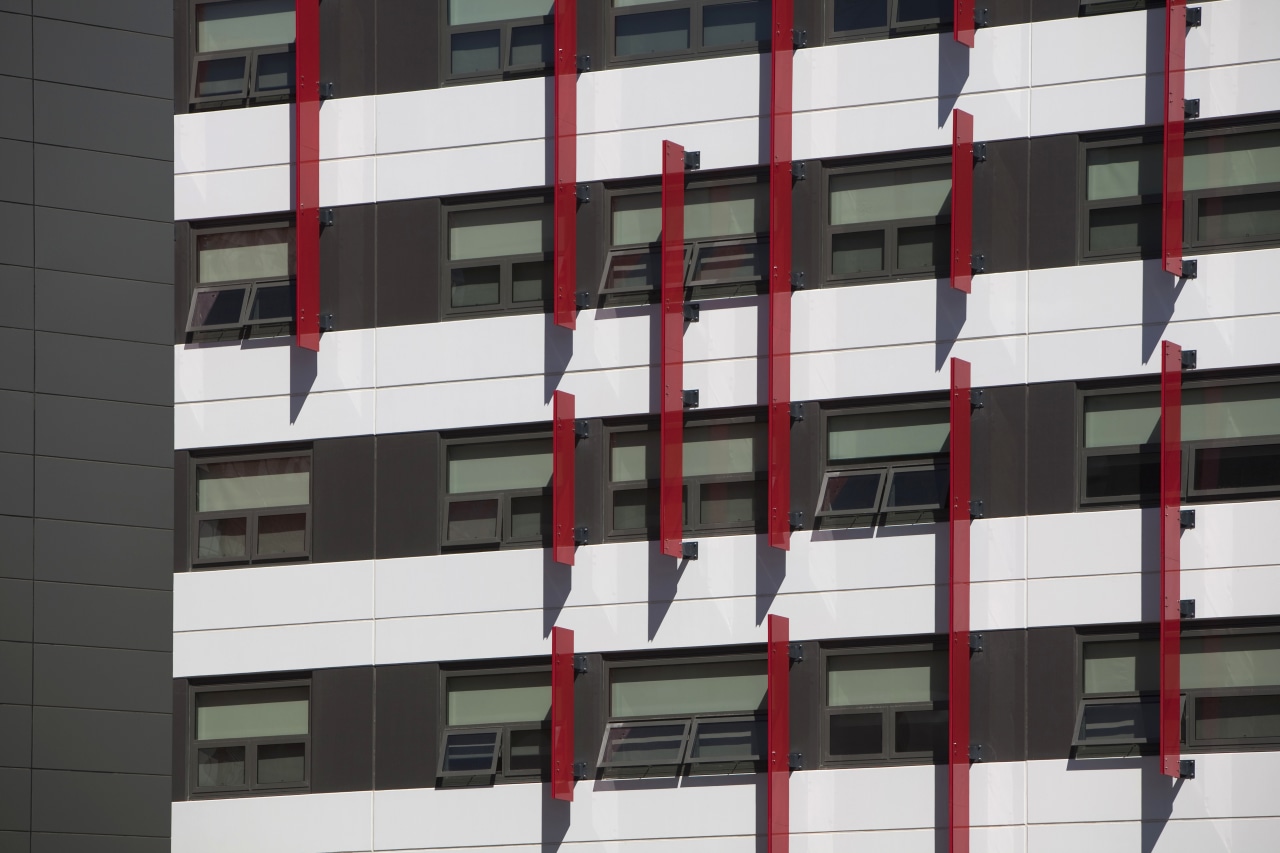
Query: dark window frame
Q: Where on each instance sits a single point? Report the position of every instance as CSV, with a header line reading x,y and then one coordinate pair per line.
x,y
251,515
505,71
1112,747
505,263
245,328
941,24
695,50
249,788
502,541
501,774
891,227
249,94
888,754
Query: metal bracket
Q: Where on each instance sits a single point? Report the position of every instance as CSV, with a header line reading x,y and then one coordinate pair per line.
x,y
797,281
800,38
582,192
975,753
798,170
581,535
326,91
977,398
326,322
796,519
582,300
581,428
582,62
1194,16
795,761
579,664
1191,107
978,263
975,642
1187,519
795,652
689,550
691,399
1188,359
1187,608
692,311
797,411
976,510
981,18
1187,769
325,215
693,160
979,152
579,769
1190,268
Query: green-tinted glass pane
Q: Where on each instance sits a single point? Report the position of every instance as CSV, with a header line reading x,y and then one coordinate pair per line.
x,y
1238,717
1123,171
907,193
499,232
693,688
238,24
1231,411
730,503
530,749
475,52
729,211
223,537
725,24
1232,160
856,734
923,247
874,435
724,449
282,534
493,467
220,766
1240,660
530,517
253,483
1116,229
857,252
221,78
533,45
258,254
633,456
890,678
1121,666
472,287
269,712
275,72
472,520
635,509
282,763
728,740
661,31
1118,420
463,12
1238,217
481,700
531,281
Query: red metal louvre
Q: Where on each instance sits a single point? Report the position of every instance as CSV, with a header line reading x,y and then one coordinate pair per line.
x,y
566,163
671,516
1175,65
306,201
779,818
958,559
562,714
780,277
964,24
962,201
1170,556
562,474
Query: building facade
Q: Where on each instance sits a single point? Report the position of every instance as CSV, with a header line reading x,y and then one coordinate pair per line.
x,y
365,593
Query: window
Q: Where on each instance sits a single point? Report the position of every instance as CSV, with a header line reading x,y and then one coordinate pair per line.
x,y
644,30
868,19
492,39
497,727
884,466
244,283
498,258
251,738
726,230
1230,443
885,705
694,716
1231,186
724,478
497,493
1119,709
252,509
243,53
888,222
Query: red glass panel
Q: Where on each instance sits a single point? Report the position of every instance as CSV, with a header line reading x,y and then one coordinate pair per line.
x,y
562,714
306,206
780,276
1175,70
1170,556
671,520
962,201
562,477
566,163
779,818
958,560
964,29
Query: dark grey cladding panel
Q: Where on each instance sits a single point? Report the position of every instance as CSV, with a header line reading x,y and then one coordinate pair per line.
x,y
178,738
15,118
1051,448
347,51
17,359
408,32
1050,10
74,614
408,255
15,842
15,673
807,695
342,717
99,803
99,307
91,243
15,799
98,120
347,267
1052,223
22,7
15,45
15,746
17,294
15,610
104,492
999,690
106,679
178,545
101,369
406,714
406,516
88,56
15,171
17,543
1000,206
17,474
144,16
103,741
42,842
999,452
104,431
102,554
343,499
1004,13
1051,697
17,427
112,184
17,232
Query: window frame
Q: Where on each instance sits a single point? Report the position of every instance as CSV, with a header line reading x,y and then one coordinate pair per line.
x,y
890,227
941,24
505,263
505,70
501,541
696,49
249,94
887,711
500,773
245,329
1192,697
249,788
194,516
1112,747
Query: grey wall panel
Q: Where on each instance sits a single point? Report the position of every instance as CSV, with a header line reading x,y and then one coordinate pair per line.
x,y
589,482
66,843
17,294
100,307
104,492
347,267
407,34
1051,705
98,120
17,543
104,369
104,245
182,280
178,738
347,54
17,231
406,516
15,842
17,360
408,255
1052,222
1051,448
1050,10
406,715
15,170
182,44
91,56
107,679
806,462
15,673
999,452
15,746
103,741
998,696
143,16
103,554
17,422
17,474
807,696
22,7
181,511
76,614
590,713
1000,206
342,729
343,499
15,118
15,609
15,45
593,239
99,803
130,433
114,184
1004,13
15,798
